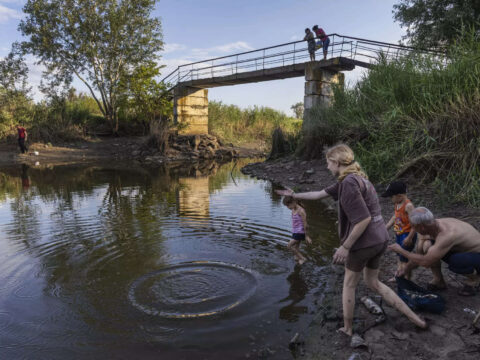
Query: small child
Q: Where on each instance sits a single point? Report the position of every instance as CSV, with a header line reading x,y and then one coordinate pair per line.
x,y
299,223
406,238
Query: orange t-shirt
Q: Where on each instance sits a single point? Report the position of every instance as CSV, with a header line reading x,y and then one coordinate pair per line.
x,y
402,223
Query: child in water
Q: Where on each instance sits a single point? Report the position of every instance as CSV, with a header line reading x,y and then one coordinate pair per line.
x,y
299,223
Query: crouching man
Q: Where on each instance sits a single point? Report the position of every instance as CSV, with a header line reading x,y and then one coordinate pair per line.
x,y
450,240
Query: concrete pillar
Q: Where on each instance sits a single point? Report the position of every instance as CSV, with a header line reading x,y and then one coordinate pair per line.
x,y
319,84
190,110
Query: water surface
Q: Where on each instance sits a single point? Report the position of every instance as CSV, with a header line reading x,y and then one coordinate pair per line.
x,y
177,262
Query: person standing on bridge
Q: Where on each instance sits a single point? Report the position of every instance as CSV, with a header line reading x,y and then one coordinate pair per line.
x,y
311,43
324,40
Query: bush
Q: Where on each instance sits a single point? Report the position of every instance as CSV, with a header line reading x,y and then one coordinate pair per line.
x,y
418,115
240,126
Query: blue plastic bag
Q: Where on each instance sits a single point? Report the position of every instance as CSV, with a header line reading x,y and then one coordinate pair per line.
x,y
418,298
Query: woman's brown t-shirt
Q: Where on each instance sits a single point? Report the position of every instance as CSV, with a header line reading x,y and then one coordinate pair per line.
x,y
357,200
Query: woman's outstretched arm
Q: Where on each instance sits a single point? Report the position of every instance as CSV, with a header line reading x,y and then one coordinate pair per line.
x,y
310,195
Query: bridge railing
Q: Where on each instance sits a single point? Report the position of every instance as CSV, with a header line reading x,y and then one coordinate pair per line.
x,y
288,54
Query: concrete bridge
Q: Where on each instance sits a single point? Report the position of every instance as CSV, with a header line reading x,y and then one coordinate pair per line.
x,y
189,83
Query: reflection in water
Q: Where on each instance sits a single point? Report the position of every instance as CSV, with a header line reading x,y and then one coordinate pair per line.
x,y
123,261
298,290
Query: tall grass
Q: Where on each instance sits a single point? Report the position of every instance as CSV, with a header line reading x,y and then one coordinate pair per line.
x,y
253,125
415,116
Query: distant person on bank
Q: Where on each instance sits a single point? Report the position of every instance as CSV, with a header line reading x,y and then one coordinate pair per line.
x,y
310,38
22,138
324,40
362,232
454,241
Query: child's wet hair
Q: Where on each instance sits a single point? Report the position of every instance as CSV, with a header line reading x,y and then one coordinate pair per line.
x,y
288,200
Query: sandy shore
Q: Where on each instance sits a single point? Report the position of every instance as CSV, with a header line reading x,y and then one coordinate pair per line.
x,y
110,148
450,334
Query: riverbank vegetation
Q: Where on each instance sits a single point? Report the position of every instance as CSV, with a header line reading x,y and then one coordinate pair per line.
x,y
251,126
417,115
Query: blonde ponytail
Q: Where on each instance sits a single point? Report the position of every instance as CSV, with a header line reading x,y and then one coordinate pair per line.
x,y
344,156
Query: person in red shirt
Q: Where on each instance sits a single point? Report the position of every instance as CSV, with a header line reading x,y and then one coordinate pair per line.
x,y
22,137
324,40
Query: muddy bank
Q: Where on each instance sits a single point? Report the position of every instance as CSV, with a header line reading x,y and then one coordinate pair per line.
x,y
450,334
181,148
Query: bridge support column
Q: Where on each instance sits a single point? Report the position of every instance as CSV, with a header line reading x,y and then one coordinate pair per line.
x,y
190,110
319,83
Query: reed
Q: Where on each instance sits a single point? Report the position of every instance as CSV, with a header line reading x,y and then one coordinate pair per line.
x,y
245,126
415,116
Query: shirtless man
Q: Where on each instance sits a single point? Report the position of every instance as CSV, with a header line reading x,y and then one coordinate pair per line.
x,y
453,241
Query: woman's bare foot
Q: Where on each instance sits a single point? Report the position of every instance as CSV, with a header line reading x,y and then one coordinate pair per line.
x,y
302,261
345,331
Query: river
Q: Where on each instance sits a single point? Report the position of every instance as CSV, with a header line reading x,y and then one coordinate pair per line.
x,y
182,261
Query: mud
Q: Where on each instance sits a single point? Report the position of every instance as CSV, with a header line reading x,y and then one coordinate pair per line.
x,y
450,335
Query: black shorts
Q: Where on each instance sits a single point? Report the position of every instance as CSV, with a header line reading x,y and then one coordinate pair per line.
x,y
298,236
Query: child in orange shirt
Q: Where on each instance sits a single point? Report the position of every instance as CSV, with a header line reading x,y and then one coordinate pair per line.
x,y
405,237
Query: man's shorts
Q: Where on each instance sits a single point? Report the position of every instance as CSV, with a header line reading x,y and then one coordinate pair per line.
x,y
366,257
463,263
400,239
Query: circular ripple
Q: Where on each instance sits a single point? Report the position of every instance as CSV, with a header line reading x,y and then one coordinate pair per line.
x,y
191,290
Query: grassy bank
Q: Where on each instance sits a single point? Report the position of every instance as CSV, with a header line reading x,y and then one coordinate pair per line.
x,y
417,116
248,126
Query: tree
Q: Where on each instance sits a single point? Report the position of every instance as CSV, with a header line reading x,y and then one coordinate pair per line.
x,y
297,110
436,23
98,41
144,98
15,104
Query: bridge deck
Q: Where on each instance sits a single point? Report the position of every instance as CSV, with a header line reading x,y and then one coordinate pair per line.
x,y
275,73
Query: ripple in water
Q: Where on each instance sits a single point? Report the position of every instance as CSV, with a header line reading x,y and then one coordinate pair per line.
x,y
191,290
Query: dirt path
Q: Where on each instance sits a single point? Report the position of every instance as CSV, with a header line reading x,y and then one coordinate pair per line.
x,y
450,334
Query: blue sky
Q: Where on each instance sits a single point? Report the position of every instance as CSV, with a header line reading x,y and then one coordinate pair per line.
x,y
200,29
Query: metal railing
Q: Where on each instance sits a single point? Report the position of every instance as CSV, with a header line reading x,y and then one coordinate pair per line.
x,y
362,50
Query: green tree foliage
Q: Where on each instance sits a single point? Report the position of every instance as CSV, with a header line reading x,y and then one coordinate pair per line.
x,y
436,23
98,41
298,110
144,99
15,105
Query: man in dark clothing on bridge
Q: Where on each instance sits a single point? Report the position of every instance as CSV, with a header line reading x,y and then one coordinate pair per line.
x,y
22,137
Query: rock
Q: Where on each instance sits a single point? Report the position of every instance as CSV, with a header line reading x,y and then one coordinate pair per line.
x,y
310,171
135,152
374,335
400,335
438,330
195,142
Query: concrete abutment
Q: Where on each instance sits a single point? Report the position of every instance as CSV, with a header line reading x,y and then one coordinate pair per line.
x,y
319,85
190,110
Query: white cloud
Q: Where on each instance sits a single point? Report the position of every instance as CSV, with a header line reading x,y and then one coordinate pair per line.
x,y
220,50
199,54
169,48
6,14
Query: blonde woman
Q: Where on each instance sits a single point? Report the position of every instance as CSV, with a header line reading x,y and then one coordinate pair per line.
x,y
362,231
